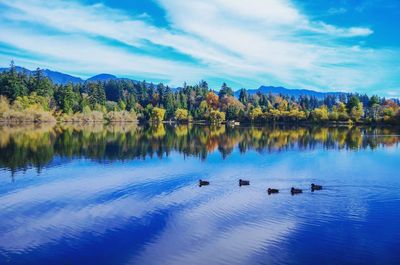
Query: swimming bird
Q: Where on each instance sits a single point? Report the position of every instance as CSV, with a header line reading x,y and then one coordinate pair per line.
x,y
295,191
315,187
272,191
244,182
203,183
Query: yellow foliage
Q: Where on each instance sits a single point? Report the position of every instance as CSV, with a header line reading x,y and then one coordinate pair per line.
x,y
4,105
157,114
217,116
181,115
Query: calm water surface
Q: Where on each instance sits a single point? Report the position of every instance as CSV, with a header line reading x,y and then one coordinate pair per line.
x,y
129,195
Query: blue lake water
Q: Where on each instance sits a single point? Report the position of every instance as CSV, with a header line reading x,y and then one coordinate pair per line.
x,y
130,195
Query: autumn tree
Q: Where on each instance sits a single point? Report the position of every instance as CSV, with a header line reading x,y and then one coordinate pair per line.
x,y
217,116
255,114
212,100
357,112
181,115
320,114
157,114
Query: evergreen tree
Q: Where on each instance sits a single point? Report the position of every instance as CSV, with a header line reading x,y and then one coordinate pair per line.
x,y
244,96
96,95
12,84
225,91
353,102
67,99
169,103
41,84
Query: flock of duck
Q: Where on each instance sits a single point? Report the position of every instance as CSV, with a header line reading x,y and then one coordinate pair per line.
x,y
270,191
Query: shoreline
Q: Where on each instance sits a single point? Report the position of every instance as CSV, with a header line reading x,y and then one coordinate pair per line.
x,y
207,123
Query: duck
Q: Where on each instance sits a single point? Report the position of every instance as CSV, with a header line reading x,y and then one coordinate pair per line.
x,y
315,187
203,183
244,182
295,191
272,191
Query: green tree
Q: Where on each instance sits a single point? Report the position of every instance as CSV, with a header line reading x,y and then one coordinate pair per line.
x,y
352,102
243,96
374,100
169,103
233,112
122,105
96,95
225,91
67,99
41,85
12,84
131,102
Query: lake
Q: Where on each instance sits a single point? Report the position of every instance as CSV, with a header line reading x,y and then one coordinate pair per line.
x,y
127,194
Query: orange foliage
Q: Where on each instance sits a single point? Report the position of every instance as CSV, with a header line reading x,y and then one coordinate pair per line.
x,y
212,100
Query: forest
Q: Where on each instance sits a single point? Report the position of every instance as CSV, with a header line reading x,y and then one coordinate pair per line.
x,y
35,98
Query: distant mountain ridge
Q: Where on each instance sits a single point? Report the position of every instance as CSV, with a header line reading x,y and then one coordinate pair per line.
x,y
102,77
289,92
55,77
61,78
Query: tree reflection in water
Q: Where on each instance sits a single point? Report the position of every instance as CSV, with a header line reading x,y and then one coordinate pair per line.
x,y
38,145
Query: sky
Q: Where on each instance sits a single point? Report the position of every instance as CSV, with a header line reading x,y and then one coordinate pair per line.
x,y
325,45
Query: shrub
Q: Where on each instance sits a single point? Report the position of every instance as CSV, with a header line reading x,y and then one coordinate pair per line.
x,y
86,116
157,114
182,115
217,116
121,116
4,105
28,115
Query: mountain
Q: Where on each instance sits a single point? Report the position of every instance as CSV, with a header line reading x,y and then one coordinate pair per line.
x,y
60,78
102,77
63,79
56,77
289,92
19,69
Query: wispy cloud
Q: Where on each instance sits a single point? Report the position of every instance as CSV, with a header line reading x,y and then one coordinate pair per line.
x,y
257,42
336,11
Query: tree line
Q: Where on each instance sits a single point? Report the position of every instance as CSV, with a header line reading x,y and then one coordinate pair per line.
x,y
34,97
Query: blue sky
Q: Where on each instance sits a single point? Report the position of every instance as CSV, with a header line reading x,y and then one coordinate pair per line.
x,y
326,45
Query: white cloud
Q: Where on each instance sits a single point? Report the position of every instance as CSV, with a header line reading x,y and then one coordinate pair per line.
x,y
342,32
256,41
88,55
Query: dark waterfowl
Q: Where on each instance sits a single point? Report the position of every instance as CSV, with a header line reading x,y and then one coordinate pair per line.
x,y
272,191
295,191
244,182
315,187
203,183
